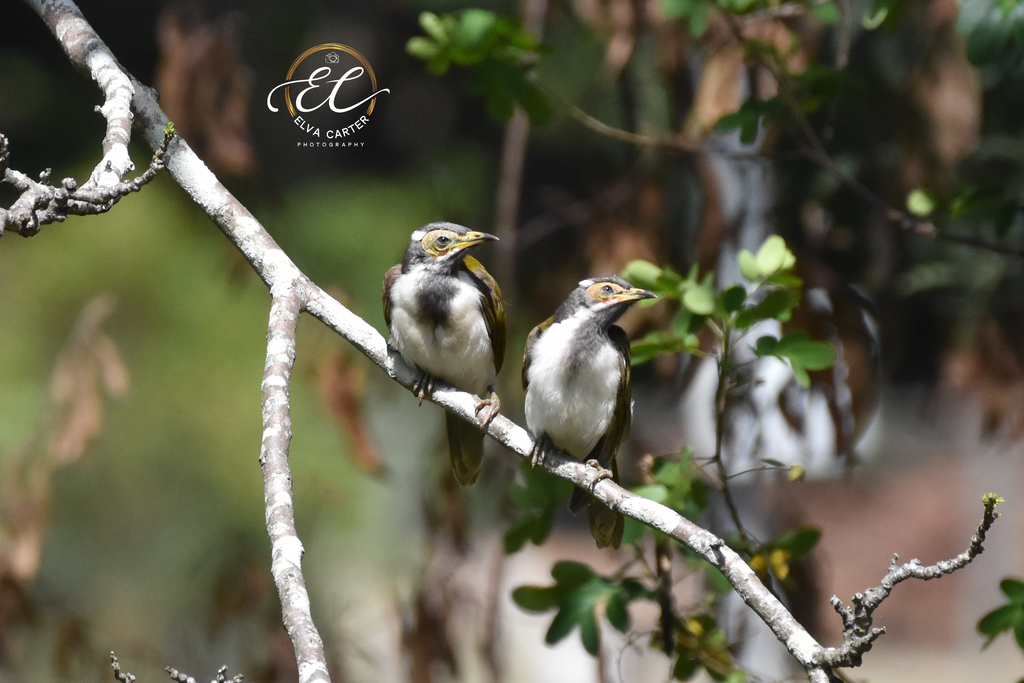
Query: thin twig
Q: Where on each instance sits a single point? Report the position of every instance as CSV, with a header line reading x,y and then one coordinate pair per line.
x,y
40,203
858,619
89,53
721,395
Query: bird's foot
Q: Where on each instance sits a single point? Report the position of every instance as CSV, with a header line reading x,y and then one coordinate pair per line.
x,y
602,473
539,451
423,386
490,407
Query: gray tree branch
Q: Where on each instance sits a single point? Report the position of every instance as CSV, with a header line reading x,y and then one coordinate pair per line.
x,y
293,292
89,53
40,202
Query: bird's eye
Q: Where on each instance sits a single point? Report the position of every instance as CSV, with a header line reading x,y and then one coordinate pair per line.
x,y
607,290
443,241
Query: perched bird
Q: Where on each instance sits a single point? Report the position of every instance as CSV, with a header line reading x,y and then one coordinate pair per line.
x,y
576,376
446,318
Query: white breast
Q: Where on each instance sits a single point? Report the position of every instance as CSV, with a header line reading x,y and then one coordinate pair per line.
x,y
573,408
459,352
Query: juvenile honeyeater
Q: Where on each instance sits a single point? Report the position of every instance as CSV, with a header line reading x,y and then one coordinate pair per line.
x,y
576,376
446,318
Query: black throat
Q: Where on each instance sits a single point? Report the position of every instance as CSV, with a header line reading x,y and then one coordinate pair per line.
x,y
434,298
591,335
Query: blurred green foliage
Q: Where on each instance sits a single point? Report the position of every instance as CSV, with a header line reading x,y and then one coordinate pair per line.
x,y
1009,617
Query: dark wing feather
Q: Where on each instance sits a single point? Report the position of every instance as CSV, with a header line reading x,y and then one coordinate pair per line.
x,y
494,307
622,418
606,525
389,282
530,341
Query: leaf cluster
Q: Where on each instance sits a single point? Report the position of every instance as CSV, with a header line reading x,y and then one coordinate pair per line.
x,y
778,554
816,86
772,294
994,29
580,595
498,52
677,484
698,13
1009,617
538,498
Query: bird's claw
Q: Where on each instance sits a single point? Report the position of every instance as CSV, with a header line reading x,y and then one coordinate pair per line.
x,y
423,386
539,451
602,473
490,406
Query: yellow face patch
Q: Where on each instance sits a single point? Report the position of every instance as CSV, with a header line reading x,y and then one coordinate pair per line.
x,y
602,291
440,242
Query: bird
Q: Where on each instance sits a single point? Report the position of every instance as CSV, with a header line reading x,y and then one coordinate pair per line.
x,y
576,377
446,317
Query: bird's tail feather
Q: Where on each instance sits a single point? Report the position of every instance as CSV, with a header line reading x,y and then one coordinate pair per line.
x,y
465,447
578,500
605,524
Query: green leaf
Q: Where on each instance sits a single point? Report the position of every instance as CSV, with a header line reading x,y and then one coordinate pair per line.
x,y
617,611
990,28
569,575
803,354
699,20
749,267
539,491
800,375
503,85
766,346
422,48
787,280
825,12
811,354
999,620
798,542
771,255
474,26
777,305
633,531
643,274
1014,590
686,666
535,598
700,300
529,527
732,299
874,17
432,24
561,626
669,281
590,632
657,342
670,473
920,203
655,492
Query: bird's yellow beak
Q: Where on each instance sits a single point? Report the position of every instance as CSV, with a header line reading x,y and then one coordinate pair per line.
x,y
472,238
633,294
